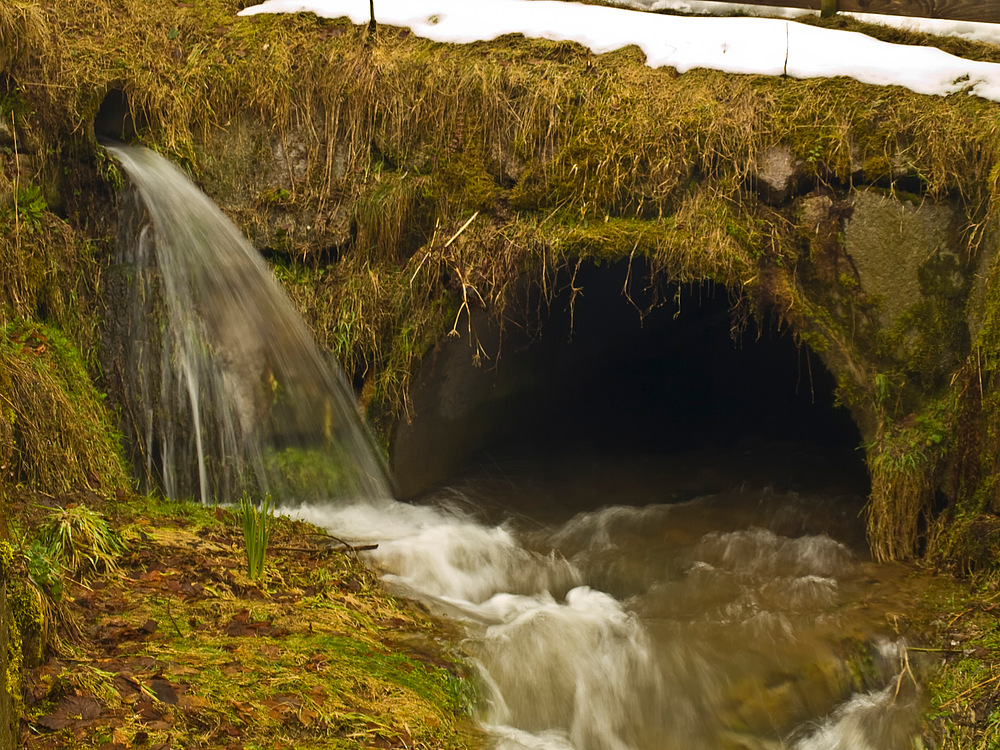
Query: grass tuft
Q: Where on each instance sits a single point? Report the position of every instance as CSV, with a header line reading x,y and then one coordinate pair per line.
x,y
81,540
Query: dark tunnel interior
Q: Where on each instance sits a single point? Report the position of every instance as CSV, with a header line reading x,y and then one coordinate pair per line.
x,y
114,120
676,388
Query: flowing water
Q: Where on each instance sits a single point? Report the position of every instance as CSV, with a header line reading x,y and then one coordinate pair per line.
x,y
728,620
609,603
228,391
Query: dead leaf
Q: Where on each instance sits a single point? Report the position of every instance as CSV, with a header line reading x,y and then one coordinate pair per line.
x,y
193,702
72,711
241,625
163,691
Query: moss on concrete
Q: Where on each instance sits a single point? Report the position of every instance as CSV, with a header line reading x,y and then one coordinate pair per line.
x,y
406,190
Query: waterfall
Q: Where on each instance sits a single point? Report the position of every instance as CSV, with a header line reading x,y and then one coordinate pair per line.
x,y
226,388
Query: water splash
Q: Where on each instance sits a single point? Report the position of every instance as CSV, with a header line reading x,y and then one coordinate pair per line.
x,y
700,640
227,389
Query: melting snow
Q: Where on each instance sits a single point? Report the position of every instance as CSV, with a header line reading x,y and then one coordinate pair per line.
x,y
767,46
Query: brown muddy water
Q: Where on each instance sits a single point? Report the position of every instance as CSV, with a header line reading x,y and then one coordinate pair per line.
x,y
705,599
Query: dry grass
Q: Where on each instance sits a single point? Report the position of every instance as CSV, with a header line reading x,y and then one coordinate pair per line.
x,y
48,271
180,646
899,496
22,28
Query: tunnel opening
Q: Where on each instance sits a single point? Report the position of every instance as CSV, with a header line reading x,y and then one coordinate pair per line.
x,y
656,382
681,375
115,120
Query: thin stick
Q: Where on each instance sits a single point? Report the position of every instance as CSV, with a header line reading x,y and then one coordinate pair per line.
x,y
464,227
906,671
172,620
956,617
345,548
17,187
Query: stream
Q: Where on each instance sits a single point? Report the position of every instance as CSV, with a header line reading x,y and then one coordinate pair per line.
x,y
610,604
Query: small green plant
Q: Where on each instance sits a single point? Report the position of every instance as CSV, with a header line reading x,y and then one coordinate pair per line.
x,y
29,207
45,570
256,532
278,197
80,539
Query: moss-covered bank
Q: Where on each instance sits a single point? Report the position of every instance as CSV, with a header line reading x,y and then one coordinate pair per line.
x,y
171,643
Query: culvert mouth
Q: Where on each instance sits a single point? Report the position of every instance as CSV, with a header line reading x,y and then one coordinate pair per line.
x,y
114,120
672,389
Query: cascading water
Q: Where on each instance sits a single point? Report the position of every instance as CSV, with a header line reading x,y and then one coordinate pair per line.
x,y
229,389
691,625
718,623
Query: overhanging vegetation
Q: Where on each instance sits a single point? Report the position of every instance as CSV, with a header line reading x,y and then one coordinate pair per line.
x,y
369,156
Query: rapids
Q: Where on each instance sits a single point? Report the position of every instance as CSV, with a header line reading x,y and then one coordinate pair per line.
x,y
713,623
612,614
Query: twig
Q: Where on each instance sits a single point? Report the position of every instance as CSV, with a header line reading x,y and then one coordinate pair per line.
x,y
172,620
463,228
784,70
345,548
906,671
17,210
419,266
955,618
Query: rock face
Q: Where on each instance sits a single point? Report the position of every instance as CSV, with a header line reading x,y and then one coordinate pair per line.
x,y
882,273
779,175
895,244
459,407
875,281
354,163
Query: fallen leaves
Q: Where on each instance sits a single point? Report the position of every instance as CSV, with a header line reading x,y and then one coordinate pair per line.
x,y
242,625
72,711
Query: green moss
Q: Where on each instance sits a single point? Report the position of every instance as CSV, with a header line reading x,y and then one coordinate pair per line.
x,y
24,621
303,471
964,641
564,155
55,435
396,218
28,618
928,341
